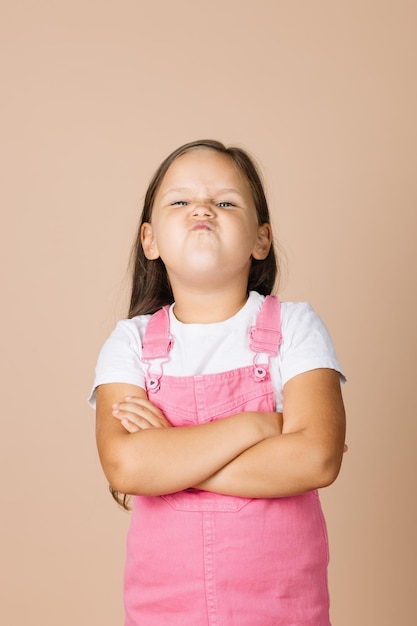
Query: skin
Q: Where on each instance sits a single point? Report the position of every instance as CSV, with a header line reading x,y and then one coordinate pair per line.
x,y
204,228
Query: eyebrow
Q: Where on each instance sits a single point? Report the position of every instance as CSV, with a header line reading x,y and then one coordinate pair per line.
x,y
189,189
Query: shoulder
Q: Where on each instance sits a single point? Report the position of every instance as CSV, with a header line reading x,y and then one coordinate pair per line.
x,y
300,322
124,345
306,342
293,314
119,358
129,331
296,316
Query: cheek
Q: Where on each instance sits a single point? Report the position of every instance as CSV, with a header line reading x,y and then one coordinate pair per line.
x,y
166,237
252,232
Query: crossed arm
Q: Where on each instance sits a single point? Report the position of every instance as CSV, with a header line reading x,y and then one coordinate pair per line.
x,y
248,454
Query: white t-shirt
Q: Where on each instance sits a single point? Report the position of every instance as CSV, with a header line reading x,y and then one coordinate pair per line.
x,y
211,348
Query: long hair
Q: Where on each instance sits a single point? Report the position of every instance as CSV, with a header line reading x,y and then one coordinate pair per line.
x,y
151,288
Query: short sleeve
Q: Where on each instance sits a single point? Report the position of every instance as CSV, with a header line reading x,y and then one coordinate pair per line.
x,y
306,343
119,359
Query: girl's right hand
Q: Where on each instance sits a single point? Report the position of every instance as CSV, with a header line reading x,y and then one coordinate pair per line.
x,y
138,414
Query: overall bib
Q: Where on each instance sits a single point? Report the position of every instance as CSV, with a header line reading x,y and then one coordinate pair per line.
x,y
198,558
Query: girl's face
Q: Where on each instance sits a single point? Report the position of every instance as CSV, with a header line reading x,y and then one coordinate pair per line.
x,y
204,225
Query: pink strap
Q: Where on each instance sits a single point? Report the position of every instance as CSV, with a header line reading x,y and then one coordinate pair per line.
x,y
157,341
266,335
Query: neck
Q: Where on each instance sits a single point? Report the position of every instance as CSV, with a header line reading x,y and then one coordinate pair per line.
x,y
201,307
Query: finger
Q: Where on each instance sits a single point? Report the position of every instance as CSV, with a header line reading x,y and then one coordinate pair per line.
x,y
139,416
129,426
148,405
131,422
120,413
146,411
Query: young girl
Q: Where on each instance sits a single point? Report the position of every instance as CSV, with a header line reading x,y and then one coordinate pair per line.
x,y
219,410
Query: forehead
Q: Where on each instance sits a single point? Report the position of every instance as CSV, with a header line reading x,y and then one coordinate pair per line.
x,y
208,167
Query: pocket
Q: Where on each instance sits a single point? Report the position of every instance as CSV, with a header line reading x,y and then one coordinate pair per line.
x,y
196,500
322,522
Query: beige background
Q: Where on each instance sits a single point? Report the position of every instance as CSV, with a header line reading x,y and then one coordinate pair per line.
x,y
94,94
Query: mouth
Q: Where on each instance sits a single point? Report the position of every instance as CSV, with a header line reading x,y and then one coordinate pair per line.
x,y
201,226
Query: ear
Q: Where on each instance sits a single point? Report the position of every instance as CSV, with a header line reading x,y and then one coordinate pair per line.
x,y
263,242
150,249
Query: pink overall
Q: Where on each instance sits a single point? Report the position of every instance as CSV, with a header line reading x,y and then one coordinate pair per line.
x,y
197,558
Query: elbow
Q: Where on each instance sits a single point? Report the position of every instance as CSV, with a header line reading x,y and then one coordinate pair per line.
x,y
122,463
329,475
328,469
129,477
119,483
118,472
116,476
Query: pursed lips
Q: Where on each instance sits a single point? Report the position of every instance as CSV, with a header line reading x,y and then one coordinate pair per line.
x,y
202,225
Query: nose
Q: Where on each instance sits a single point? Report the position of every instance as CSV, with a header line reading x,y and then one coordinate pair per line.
x,y
203,208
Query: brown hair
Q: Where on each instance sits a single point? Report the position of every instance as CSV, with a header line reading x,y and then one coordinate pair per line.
x,y
151,288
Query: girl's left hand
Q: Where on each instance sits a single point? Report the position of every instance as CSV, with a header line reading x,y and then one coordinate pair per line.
x,y
139,414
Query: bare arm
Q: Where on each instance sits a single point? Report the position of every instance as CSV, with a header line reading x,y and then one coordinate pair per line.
x,y
306,456
157,459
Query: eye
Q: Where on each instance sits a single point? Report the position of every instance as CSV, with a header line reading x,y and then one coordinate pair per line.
x,y
225,205
179,203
